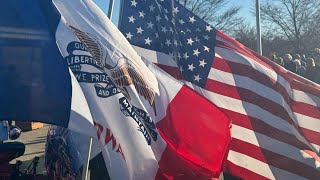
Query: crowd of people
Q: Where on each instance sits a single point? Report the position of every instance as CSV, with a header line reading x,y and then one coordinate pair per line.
x,y
308,67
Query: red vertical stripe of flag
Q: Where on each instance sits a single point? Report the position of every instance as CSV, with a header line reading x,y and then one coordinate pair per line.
x,y
187,156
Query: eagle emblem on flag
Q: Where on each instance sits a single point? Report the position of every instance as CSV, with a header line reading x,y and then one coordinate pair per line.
x,y
122,73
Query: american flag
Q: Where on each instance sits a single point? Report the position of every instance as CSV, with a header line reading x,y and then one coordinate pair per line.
x,y
275,113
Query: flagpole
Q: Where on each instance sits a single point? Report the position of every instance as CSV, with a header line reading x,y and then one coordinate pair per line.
x,y
259,43
110,10
120,13
87,161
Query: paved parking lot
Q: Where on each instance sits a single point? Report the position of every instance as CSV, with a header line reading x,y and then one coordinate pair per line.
x,y
35,141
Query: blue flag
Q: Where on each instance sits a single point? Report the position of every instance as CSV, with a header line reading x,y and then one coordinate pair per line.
x,y
35,81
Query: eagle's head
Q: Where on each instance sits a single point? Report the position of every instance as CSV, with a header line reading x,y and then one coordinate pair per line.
x,y
114,59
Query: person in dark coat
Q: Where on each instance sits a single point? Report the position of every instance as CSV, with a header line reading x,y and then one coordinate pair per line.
x,y
310,70
302,60
313,71
316,75
280,61
300,69
289,64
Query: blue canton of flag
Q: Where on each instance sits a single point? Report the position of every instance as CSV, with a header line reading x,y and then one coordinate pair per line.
x,y
167,27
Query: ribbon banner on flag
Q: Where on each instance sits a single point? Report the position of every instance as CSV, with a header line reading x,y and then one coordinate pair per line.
x,y
275,113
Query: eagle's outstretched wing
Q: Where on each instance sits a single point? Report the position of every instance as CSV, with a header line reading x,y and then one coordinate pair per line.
x,y
125,75
92,46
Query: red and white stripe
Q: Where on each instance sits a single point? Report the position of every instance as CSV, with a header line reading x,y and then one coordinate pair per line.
x,y
275,113
193,133
278,137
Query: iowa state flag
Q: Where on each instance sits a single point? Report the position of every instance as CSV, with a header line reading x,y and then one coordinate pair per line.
x,y
150,126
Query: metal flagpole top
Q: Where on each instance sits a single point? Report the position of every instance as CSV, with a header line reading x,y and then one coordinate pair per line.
x,y
110,10
259,41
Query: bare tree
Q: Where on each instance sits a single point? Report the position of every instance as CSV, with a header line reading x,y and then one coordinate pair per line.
x,y
215,12
311,36
246,34
297,20
271,42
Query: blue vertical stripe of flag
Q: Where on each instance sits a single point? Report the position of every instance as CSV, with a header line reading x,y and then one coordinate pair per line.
x,y
35,84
